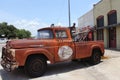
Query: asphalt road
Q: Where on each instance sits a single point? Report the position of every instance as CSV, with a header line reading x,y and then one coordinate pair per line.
x,y
108,69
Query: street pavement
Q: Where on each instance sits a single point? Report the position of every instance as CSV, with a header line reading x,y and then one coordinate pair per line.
x,y
108,69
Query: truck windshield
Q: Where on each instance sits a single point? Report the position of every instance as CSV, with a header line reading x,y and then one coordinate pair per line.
x,y
45,34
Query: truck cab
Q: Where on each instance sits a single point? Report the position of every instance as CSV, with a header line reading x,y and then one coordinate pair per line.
x,y
54,44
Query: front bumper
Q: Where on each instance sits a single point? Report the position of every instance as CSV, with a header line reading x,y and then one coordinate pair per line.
x,y
8,61
9,65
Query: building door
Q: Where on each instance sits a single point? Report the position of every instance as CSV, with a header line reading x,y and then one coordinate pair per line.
x,y
112,37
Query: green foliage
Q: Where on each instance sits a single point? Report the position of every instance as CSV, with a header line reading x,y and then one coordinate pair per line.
x,y
10,31
22,33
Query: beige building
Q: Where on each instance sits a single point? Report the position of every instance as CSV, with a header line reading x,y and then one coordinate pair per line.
x,y
86,24
107,22
86,20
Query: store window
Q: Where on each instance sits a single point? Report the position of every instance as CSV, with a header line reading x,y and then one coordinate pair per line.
x,y
100,21
112,17
100,35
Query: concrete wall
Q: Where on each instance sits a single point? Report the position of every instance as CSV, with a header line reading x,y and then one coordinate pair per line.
x,y
106,38
86,20
115,5
118,37
103,8
95,35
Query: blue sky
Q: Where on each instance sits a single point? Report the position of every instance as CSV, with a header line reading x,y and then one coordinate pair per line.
x,y
35,14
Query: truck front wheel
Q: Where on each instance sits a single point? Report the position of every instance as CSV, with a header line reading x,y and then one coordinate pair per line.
x,y
35,66
96,57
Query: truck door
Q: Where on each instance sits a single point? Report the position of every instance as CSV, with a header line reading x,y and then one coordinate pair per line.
x,y
65,46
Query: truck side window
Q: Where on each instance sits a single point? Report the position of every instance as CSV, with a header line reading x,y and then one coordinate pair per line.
x,y
61,34
45,34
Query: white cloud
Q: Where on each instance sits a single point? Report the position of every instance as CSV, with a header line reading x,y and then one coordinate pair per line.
x,y
59,24
31,25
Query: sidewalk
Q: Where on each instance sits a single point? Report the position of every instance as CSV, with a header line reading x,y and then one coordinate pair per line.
x,y
112,53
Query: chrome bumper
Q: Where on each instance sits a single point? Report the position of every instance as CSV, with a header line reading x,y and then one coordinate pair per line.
x,y
8,63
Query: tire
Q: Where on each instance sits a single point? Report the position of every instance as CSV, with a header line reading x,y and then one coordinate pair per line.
x,y
20,68
74,60
96,57
35,66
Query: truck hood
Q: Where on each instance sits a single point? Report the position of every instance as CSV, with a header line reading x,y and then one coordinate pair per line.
x,y
16,44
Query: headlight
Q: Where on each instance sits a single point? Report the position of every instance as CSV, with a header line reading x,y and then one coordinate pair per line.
x,y
11,54
12,51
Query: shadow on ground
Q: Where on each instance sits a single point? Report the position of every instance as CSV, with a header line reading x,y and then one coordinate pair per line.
x,y
15,75
65,67
53,69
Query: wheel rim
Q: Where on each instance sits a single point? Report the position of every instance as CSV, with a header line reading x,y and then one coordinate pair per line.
x,y
36,66
97,58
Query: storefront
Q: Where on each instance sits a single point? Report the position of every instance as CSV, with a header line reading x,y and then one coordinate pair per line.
x,y
106,16
107,23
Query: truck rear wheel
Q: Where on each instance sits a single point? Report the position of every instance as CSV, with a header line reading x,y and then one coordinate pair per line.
x,y
35,66
96,57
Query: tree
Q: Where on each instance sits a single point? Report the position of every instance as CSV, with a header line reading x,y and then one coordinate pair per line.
x,y
22,33
10,31
4,29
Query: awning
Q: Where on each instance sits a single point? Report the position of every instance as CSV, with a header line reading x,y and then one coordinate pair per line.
x,y
109,26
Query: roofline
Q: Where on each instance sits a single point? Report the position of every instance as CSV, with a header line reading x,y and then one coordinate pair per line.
x,y
91,10
98,3
55,27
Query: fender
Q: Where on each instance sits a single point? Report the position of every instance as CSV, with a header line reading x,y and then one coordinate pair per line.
x,y
95,46
33,51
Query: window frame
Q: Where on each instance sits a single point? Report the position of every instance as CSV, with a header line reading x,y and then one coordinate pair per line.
x,y
100,21
61,31
50,31
112,15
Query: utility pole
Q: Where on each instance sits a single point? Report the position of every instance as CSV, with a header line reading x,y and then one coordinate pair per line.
x,y
69,13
